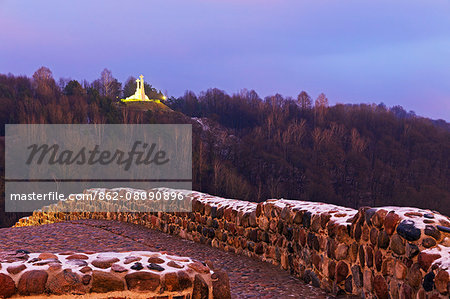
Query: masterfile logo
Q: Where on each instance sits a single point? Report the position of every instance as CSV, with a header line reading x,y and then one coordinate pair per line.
x,y
52,155
98,152
66,159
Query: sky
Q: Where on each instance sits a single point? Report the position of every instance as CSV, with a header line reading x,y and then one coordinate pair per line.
x,y
361,51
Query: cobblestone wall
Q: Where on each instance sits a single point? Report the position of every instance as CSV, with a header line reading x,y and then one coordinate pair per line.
x,y
122,275
387,252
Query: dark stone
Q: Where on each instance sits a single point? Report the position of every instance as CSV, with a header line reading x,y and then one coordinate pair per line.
x,y
428,242
362,256
259,249
412,250
368,215
215,224
155,260
348,284
331,269
201,290
314,279
357,276
390,222
171,282
316,260
414,276
253,235
406,292
369,256
7,286
213,212
65,282
331,248
383,240
313,241
16,269
381,288
220,212
280,227
425,260
324,218
221,285
349,230
224,237
184,280
104,263
441,281
306,276
428,282
251,246
378,260
289,233
34,260
265,237
341,271
156,267
298,217
22,251
428,215
284,213
444,229
432,231
407,230
77,257
32,282
137,266
142,281
302,236
290,248
373,236
307,219
397,244
357,232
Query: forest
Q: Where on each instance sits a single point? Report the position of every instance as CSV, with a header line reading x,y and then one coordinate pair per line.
x,y
254,148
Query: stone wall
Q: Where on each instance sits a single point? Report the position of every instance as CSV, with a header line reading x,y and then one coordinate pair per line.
x,y
121,275
387,252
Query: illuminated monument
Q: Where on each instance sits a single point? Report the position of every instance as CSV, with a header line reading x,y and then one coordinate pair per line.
x,y
140,95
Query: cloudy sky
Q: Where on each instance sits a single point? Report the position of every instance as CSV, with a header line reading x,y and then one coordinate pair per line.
x,y
396,52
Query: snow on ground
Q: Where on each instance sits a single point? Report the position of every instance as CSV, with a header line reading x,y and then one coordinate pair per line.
x,y
205,127
339,215
417,215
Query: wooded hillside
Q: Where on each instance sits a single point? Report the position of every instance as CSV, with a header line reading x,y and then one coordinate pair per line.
x,y
251,148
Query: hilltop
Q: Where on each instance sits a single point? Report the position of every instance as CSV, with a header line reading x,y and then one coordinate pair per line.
x,y
145,106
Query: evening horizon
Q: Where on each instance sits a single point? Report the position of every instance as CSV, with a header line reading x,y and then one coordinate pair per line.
x,y
353,52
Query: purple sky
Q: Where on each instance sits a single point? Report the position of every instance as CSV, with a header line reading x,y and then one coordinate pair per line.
x,y
396,52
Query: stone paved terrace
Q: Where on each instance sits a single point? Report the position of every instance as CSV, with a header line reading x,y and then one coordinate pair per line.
x,y
249,277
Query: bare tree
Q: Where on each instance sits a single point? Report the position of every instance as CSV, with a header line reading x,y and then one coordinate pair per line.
x,y
320,106
304,100
43,82
106,81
